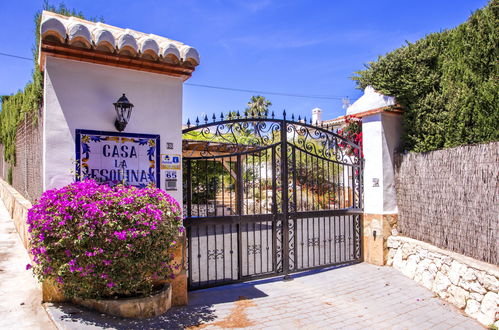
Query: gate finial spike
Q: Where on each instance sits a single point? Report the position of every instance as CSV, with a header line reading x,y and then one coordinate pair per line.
x,y
197,121
310,121
188,123
284,114
299,118
305,119
214,118
238,115
292,117
221,116
205,119
273,115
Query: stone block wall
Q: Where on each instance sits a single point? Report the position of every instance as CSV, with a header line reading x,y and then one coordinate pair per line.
x,y
376,230
467,283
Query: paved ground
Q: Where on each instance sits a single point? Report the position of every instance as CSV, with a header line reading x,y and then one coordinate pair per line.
x,y
20,294
354,297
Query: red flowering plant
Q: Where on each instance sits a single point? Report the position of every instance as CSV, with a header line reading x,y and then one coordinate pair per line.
x,y
352,131
99,241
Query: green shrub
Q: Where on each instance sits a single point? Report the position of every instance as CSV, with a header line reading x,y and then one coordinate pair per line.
x,y
9,175
447,83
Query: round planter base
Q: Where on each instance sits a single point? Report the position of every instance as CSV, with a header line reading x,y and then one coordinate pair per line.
x,y
150,306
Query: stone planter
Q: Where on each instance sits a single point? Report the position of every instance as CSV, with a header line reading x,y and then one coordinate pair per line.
x,y
150,306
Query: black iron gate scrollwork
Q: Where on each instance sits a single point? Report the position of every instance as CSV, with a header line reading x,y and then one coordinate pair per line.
x,y
266,196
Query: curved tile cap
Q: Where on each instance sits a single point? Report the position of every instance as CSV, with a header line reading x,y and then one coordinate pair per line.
x,y
127,42
170,52
79,33
189,54
149,45
53,27
104,39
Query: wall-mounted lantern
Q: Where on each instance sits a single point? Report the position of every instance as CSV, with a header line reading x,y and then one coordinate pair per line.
x,y
123,111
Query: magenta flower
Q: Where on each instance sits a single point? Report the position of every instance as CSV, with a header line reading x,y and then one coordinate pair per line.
x,y
121,235
28,266
86,231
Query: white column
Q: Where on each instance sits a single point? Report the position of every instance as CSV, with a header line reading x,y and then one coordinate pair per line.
x,y
381,137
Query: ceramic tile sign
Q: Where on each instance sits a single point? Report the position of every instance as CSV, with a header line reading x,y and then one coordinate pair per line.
x,y
113,158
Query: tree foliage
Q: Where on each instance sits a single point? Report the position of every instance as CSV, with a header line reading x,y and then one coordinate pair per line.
x,y
258,106
447,83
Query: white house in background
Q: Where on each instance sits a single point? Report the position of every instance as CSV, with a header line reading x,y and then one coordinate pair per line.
x,y
371,100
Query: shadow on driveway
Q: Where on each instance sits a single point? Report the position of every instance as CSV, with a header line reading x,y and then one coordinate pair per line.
x,y
200,310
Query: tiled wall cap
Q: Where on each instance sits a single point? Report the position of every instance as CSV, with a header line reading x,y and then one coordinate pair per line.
x,y
189,54
169,50
110,38
104,38
149,45
53,27
127,41
79,32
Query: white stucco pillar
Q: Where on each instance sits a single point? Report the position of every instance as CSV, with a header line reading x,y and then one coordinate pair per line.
x,y
381,137
381,132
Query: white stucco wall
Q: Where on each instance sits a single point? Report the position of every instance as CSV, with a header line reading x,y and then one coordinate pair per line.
x,y
381,137
80,95
392,133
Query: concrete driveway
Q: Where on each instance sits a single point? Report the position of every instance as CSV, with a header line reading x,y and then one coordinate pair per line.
x,y
360,296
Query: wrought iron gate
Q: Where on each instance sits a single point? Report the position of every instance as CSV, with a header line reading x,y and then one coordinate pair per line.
x,y
266,197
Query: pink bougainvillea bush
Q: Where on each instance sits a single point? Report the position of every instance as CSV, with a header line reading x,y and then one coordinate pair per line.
x,y
352,131
99,241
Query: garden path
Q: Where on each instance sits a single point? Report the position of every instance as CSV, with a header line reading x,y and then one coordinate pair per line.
x,y
20,293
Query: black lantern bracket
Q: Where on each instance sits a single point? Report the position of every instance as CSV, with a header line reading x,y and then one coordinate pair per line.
x,y
123,109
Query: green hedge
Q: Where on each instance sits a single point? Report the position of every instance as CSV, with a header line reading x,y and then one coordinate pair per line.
x,y
447,83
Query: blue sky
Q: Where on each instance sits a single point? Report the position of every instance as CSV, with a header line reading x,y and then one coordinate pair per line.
x,y
288,46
